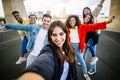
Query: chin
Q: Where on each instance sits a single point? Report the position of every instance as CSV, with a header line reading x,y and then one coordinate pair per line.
x,y
59,46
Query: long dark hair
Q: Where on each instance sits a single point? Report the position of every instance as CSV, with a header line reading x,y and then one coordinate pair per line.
x,y
91,35
84,10
69,52
78,22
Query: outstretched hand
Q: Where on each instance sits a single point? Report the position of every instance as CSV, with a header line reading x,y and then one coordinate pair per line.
x,y
110,20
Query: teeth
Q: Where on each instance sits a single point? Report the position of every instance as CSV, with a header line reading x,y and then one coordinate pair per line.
x,y
58,42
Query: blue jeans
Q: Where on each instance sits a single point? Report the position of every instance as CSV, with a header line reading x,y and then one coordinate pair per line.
x,y
93,53
79,57
23,46
91,48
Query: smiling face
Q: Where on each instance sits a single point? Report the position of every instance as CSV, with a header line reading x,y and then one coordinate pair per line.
x,y
46,22
18,17
87,19
58,37
32,19
87,11
72,22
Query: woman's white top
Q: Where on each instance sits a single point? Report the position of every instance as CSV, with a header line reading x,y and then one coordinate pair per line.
x,y
74,36
65,70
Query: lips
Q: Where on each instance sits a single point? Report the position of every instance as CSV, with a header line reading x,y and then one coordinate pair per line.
x,y
59,43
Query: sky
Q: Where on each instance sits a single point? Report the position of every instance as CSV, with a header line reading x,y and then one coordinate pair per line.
x,y
72,6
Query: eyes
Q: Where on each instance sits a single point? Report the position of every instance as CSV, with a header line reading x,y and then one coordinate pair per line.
x,y
16,15
46,21
32,18
59,34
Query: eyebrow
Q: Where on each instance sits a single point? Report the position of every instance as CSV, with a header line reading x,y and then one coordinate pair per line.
x,y
58,33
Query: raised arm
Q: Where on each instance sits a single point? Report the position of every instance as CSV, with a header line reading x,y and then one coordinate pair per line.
x,y
98,8
101,3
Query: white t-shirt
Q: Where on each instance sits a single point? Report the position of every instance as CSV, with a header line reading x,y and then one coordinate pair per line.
x,y
39,42
74,36
65,70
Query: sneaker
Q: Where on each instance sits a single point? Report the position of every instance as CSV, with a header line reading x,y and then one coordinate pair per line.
x,y
20,60
91,72
94,60
87,76
78,64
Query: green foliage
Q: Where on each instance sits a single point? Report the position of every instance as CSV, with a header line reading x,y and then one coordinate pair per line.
x,y
2,19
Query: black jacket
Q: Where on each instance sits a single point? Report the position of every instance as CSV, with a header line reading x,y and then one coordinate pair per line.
x,y
92,35
47,65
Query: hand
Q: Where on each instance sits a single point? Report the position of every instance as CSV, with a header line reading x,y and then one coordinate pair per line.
x,y
87,44
101,3
110,20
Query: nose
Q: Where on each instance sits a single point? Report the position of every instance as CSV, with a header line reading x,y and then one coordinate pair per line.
x,y
46,22
58,38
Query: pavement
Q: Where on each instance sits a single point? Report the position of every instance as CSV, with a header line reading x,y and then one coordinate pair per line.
x,y
108,65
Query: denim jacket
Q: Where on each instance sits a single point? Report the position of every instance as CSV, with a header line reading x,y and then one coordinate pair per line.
x,y
32,29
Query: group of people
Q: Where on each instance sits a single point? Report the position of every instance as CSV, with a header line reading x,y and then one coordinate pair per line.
x,y
54,46
24,35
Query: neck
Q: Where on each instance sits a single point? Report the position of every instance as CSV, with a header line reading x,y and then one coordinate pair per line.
x,y
75,27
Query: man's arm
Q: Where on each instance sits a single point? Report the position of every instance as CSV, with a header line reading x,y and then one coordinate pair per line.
x,y
18,27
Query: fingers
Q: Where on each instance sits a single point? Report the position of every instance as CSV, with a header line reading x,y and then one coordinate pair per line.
x,y
113,17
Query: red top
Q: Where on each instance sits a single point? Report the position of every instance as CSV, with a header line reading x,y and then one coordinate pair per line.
x,y
83,29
